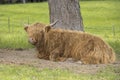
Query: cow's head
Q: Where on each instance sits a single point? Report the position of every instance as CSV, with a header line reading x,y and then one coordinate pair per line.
x,y
36,32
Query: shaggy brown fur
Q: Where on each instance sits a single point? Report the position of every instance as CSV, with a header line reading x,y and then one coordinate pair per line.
x,y
58,45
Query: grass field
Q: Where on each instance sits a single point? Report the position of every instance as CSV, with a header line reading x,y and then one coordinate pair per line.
x,y
12,72
100,18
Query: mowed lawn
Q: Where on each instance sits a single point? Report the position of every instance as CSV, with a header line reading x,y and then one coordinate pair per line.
x,y
12,72
100,18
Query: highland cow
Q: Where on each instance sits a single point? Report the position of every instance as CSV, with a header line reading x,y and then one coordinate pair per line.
x,y
58,45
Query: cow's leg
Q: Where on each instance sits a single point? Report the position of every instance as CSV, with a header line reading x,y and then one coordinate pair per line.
x,y
90,60
54,55
57,55
42,56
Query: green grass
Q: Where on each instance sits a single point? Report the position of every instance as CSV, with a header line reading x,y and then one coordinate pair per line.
x,y
19,15
13,72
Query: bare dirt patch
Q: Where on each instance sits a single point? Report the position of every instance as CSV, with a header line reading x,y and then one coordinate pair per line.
x,y
28,57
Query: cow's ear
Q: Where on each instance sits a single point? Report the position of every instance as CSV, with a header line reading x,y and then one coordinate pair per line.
x,y
47,28
26,27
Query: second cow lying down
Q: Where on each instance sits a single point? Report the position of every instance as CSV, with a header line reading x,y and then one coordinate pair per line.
x,y
59,44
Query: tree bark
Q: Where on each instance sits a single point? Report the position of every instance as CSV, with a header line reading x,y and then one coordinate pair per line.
x,y
67,12
23,1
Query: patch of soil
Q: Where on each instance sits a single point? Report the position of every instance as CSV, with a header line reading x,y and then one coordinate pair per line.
x,y
28,57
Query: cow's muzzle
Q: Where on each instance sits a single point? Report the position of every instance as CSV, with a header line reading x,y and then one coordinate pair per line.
x,y
32,41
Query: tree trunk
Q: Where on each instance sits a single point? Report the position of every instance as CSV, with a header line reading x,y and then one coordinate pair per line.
x,y
23,1
67,12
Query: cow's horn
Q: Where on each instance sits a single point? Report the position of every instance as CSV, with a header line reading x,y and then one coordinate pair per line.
x,y
52,24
